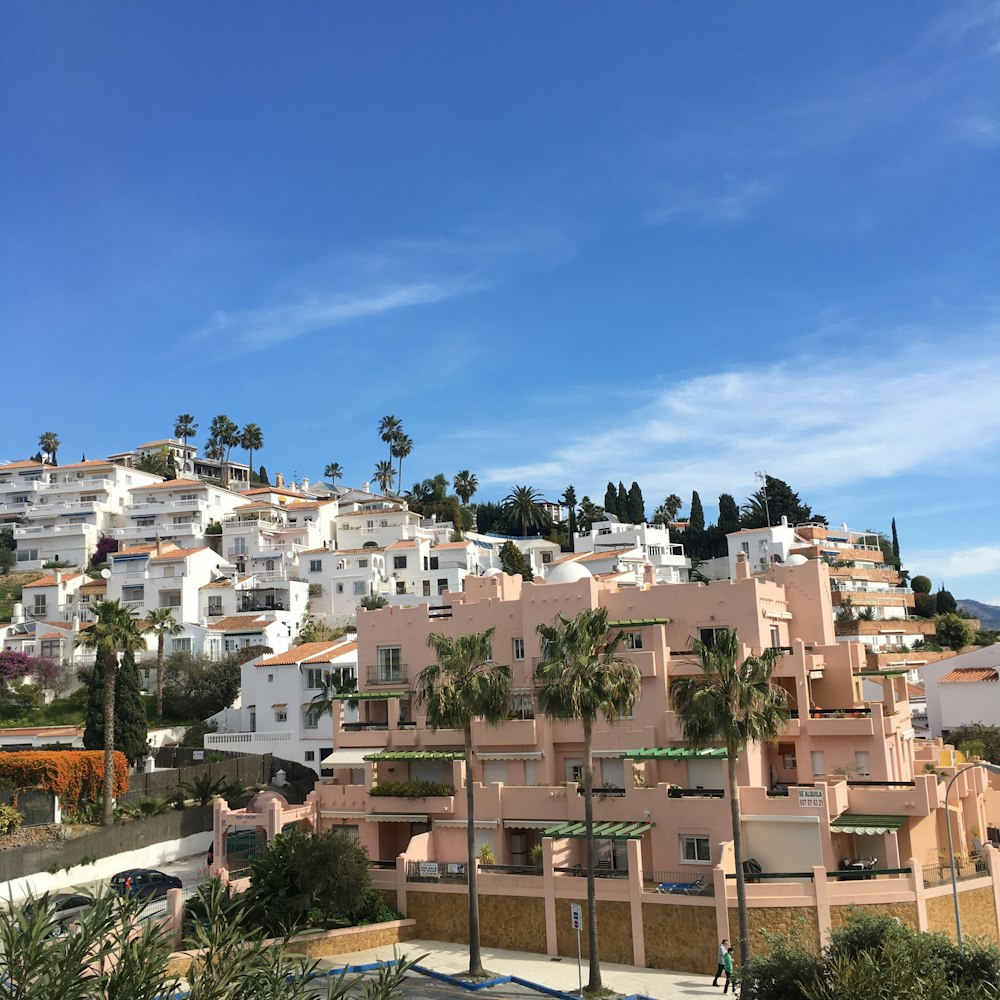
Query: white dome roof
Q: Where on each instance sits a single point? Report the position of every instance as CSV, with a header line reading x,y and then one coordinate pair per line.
x,y
796,560
568,572
493,571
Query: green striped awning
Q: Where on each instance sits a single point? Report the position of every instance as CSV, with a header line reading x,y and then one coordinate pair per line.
x,y
639,622
848,823
676,753
605,831
370,695
416,755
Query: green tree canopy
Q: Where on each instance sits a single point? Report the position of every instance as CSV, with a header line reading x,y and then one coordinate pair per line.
x,y
776,499
589,514
954,631
636,505
696,519
611,499
130,712
944,602
523,508
514,562
251,440
729,514
465,484
668,510
196,687
921,585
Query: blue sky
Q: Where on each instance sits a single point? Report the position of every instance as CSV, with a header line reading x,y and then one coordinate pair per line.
x,y
564,242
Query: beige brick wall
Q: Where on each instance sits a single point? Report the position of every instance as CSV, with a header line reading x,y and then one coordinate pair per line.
x,y
979,917
513,922
905,912
614,931
798,922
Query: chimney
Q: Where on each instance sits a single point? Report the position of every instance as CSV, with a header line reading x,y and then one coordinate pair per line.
x,y
279,481
57,576
742,566
159,546
784,520
305,484
649,575
364,486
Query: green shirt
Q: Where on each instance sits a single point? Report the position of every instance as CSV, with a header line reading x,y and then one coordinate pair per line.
x,y
727,962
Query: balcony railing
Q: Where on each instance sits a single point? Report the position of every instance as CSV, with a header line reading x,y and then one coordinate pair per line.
x,y
689,883
387,675
436,871
511,869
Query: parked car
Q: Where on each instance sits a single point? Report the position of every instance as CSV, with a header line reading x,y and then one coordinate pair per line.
x,y
146,883
65,908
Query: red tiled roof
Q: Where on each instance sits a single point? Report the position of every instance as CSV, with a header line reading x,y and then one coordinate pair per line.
x,y
179,554
240,623
24,464
50,581
43,731
452,545
311,652
403,543
970,675
592,556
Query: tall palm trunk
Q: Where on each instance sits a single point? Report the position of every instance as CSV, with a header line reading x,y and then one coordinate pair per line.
x,y
110,672
475,956
595,984
741,888
159,676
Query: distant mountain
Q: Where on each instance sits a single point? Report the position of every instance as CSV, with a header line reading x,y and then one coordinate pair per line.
x,y
988,614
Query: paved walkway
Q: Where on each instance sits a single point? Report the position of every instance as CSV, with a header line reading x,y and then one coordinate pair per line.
x,y
561,975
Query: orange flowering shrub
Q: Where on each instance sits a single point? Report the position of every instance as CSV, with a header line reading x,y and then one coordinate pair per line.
x,y
71,774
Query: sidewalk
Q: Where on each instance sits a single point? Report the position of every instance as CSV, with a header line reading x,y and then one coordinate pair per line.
x,y
560,975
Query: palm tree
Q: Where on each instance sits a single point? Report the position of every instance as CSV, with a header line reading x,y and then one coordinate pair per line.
x,y
401,446
388,428
521,505
161,622
251,440
332,689
736,704
114,631
333,472
49,443
464,685
185,427
223,435
569,498
385,475
580,676
465,484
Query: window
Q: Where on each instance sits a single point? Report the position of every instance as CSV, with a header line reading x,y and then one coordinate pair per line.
x,y
215,606
310,755
695,849
315,565
270,678
399,562
359,588
27,555
400,587
188,496
180,644
442,586
310,719
708,635
51,649
434,562
818,763
169,570
633,640
546,558
775,637
280,715
316,676
745,547
145,522
389,660
362,564
39,604
518,649
340,588
863,763
426,588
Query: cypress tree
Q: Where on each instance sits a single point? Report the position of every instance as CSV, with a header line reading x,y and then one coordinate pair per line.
x,y
945,602
621,506
636,505
93,730
513,561
130,712
895,544
729,514
262,476
696,519
611,500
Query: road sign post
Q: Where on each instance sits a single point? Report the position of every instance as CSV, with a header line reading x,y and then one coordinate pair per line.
x,y
576,917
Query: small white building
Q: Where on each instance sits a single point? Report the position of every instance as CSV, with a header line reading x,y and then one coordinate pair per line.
x,y
653,541
276,713
177,510
963,689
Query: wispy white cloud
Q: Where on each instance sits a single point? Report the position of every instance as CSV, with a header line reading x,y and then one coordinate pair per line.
x,y
948,565
733,201
980,129
822,422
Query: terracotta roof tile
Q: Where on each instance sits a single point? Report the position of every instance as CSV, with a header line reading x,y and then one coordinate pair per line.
x,y
403,543
95,585
970,675
592,556
452,545
179,554
279,490
311,652
51,635
240,623
50,581
24,464
216,583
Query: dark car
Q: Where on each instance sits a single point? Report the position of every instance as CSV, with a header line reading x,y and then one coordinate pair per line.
x,y
145,883
65,908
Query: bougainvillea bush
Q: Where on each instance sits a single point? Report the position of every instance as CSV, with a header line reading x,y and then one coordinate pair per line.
x,y
73,775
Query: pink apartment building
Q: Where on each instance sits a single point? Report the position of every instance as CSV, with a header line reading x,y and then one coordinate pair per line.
x,y
845,807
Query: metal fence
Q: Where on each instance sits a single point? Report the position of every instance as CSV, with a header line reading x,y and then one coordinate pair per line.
x,y
937,871
678,883
436,871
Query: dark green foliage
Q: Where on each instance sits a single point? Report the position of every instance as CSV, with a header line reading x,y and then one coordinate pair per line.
x,y
954,632
921,585
93,730
945,602
311,881
262,476
411,789
696,519
7,539
986,637
780,973
667,511
636,505
130,713
589,513
489,516
8,560
888,557
895,545
729,514
194,735
924,605
987,738
513,561
197,687
621,503
780,501
569,498
611,499
523,511
372,602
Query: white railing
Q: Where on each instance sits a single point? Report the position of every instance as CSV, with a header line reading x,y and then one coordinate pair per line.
x,y
270,576
135,575
134,605
20,530
221,740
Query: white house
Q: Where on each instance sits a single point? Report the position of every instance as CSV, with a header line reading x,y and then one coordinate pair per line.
x,y
963,689
177,510
276,715
653,540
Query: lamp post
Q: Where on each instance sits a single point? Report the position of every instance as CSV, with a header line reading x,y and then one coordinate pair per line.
x,y
995,769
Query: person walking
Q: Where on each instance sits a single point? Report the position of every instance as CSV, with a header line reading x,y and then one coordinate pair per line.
x,y
723,951
728,966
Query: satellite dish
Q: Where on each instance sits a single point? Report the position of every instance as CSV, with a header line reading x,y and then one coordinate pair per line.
x,y
106,573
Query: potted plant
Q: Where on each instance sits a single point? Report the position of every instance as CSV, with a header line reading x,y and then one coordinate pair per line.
x,y
674,791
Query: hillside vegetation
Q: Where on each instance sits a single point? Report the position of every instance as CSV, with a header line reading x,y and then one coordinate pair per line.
x,y
10,590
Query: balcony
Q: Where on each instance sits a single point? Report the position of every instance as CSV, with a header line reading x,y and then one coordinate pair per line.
x,y
246,742
379,675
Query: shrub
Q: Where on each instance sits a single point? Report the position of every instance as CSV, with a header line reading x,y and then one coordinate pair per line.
x,y
412,789
10,820
781,973
925,605
921,585
953,631
71,774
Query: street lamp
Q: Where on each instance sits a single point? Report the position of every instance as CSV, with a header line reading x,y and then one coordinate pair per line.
x,y
994,769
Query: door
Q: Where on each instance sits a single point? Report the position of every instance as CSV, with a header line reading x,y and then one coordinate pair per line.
x,y
613,773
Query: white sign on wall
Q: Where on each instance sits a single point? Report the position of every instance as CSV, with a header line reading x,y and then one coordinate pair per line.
x,y
812,798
